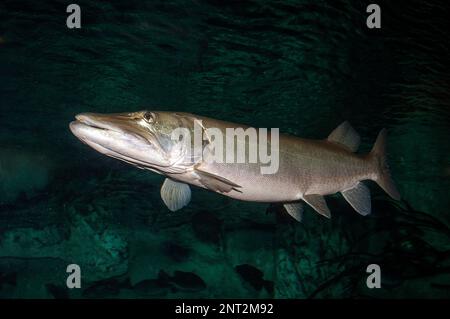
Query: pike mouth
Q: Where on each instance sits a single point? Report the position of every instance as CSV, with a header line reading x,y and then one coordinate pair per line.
x,y
115,138
79,128
88,129
88,121
92,132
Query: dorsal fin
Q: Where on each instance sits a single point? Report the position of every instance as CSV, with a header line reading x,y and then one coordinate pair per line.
x,y
345,135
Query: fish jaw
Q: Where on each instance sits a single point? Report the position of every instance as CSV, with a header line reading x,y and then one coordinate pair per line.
x,y
119,136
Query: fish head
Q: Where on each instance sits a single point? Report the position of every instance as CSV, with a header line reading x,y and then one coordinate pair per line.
x,y
143,139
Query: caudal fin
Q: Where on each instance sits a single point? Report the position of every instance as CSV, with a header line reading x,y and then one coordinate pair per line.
x,y
383,177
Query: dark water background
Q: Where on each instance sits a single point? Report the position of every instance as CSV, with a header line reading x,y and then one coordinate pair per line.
x,y
302,66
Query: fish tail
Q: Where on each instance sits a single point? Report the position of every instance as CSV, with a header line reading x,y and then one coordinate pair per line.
x,y
379,158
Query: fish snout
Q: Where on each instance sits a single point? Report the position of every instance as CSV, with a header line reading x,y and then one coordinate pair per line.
x,y
83,117
74,125
92,119
111,122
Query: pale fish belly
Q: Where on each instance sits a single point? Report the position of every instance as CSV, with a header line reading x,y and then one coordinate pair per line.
x,y
256,187
330,177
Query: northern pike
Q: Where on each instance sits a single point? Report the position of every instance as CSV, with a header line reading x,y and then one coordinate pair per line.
x,y
307,169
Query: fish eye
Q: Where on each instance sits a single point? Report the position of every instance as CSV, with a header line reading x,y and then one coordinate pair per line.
x,y
149,117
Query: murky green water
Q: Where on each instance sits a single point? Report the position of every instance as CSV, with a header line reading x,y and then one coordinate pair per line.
x,y
302,66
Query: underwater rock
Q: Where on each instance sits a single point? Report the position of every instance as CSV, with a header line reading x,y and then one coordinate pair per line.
x,y
109,287
184,281
391,278
270,286
8,278
300,252
251,244
57,292
31,242
101,254
254,277
207,227
152,287
27,277
176,252
21,174
251,274
280,212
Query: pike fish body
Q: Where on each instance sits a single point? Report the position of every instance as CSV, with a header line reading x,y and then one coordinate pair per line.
x,y
306,169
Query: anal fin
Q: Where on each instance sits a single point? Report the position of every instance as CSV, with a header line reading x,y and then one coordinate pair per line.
x,y
318,203
359,198
295,210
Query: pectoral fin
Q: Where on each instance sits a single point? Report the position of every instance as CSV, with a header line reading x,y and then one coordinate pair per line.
x,y
295,210
318,203
215,183
359,198
346,136
175,195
